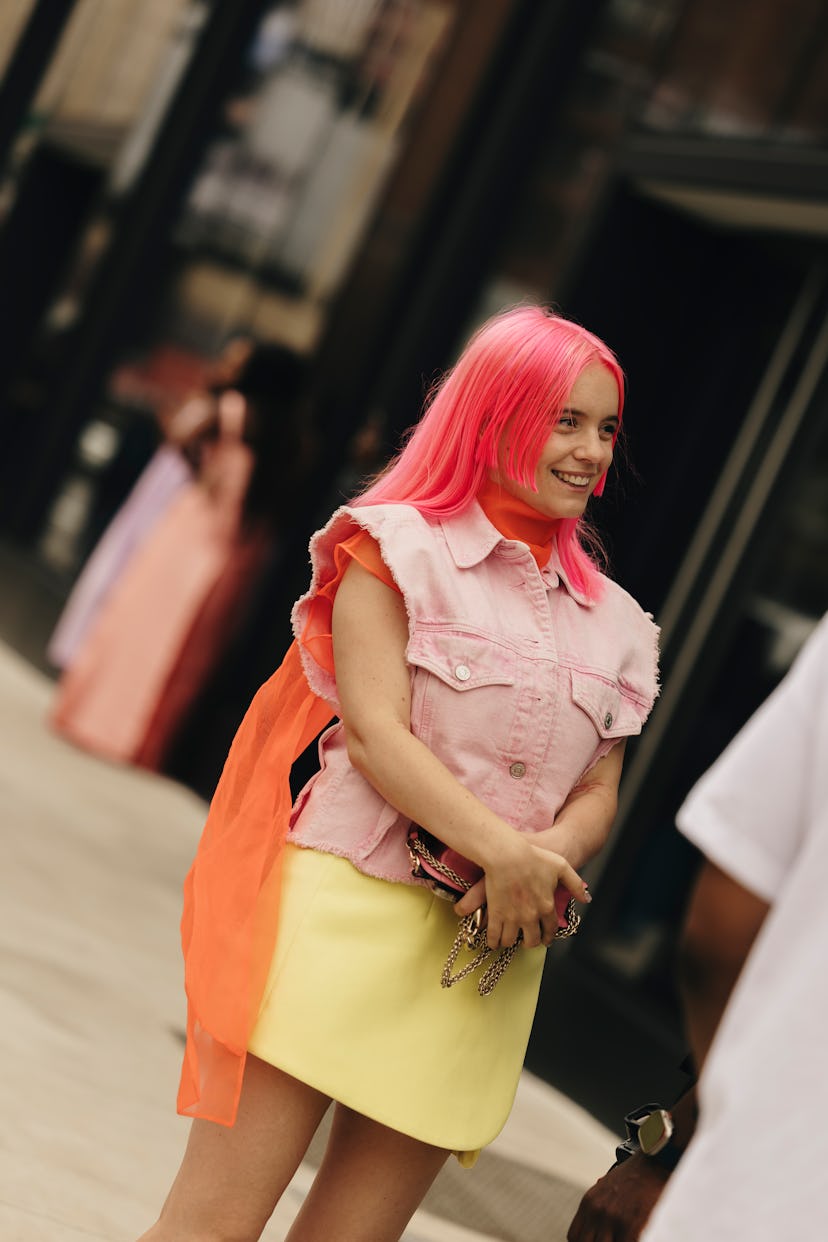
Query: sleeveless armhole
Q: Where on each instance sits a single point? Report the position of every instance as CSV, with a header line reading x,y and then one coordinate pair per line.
x,y
317,637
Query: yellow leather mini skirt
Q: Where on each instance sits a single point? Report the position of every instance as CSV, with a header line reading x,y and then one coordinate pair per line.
x,y
353,1006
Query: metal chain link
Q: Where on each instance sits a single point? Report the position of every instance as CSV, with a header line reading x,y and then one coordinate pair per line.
x,y
471,932
471,935
417,847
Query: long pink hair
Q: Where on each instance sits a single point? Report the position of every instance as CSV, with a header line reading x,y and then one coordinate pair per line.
x,y
515,374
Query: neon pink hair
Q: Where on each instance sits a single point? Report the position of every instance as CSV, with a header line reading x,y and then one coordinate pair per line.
x,y
515,375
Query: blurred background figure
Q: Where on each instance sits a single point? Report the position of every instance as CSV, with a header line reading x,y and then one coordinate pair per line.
x,y
184,430
174,607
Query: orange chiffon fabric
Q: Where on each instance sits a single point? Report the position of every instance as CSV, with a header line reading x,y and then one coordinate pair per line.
x,y
231,894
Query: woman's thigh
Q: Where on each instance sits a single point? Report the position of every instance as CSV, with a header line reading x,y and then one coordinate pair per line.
x,y
231,1178
371,1181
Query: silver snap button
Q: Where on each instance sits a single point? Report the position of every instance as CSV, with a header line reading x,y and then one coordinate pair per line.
x,y
517,770
608,720
462,672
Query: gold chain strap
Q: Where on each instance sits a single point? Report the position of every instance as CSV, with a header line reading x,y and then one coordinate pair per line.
x,y
418,848
471,933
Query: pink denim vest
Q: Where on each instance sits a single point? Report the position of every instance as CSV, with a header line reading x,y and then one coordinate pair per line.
x,y
519,684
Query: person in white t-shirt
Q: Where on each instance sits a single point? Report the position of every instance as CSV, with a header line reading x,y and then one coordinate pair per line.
x,y
754,976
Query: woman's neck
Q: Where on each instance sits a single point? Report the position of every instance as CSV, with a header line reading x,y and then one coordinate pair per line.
x,y
515,519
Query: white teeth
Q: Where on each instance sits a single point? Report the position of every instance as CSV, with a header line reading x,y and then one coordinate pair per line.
x,y
579,480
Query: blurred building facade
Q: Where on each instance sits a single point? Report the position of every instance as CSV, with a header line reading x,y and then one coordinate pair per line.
x,y
364,182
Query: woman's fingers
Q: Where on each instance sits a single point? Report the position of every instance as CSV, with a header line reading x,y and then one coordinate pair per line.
x,y
533,904
503,935
494,930
570,879
472,900
532,934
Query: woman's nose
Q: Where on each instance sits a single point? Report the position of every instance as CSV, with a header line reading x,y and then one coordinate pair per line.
x,y
589,446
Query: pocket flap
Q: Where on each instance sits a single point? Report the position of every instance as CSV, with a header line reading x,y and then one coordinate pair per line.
x,y
609,709
462,660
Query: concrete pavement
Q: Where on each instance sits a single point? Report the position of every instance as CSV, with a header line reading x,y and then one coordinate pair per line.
x,y
91,1014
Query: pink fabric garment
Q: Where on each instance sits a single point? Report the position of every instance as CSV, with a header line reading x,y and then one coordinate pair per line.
x,y
214,627
107,700
160,482
519,684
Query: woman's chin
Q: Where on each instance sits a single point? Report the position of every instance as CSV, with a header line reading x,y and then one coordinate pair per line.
x,y
562,508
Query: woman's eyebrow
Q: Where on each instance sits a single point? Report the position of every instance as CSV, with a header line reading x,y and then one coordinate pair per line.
x,y
571,409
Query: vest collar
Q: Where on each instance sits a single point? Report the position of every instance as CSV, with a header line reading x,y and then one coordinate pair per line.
x,y
471,537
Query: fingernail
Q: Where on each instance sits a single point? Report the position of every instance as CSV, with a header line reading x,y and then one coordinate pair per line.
x,y
587,894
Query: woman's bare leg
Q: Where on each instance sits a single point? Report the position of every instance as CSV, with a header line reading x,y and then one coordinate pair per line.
x,y
231,1178
369,1185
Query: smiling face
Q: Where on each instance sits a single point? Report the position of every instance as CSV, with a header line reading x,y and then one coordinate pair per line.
x,y
578,451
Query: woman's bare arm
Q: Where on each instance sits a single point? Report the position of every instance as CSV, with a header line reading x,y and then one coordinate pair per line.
x,y
370,635
583,823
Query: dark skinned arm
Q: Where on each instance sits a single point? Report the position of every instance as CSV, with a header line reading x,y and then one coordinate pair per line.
x,y
722,922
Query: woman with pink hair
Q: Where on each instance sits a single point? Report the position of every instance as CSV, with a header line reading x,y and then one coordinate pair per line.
x,y
482,675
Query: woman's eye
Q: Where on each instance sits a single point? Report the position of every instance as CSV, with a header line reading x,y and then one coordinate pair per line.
x,y
566,420
609,430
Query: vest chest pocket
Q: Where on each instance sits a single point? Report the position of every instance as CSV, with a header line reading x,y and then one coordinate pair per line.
x,y
613,713
462,690
462,661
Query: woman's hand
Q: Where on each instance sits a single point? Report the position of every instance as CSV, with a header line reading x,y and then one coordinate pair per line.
x,y
519,891
579,831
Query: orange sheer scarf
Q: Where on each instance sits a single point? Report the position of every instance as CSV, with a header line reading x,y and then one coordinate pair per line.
x,y
231,894
228,929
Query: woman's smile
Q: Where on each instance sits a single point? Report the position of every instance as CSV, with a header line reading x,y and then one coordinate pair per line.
x,y
578,481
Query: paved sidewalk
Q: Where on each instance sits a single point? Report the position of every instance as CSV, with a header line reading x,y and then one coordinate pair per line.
x,y
93,856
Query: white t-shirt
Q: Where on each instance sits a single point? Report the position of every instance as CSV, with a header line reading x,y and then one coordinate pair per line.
x,y
756,1168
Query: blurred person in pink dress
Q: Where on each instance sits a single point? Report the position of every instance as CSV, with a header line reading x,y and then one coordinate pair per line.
x,y
166,621
171,467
